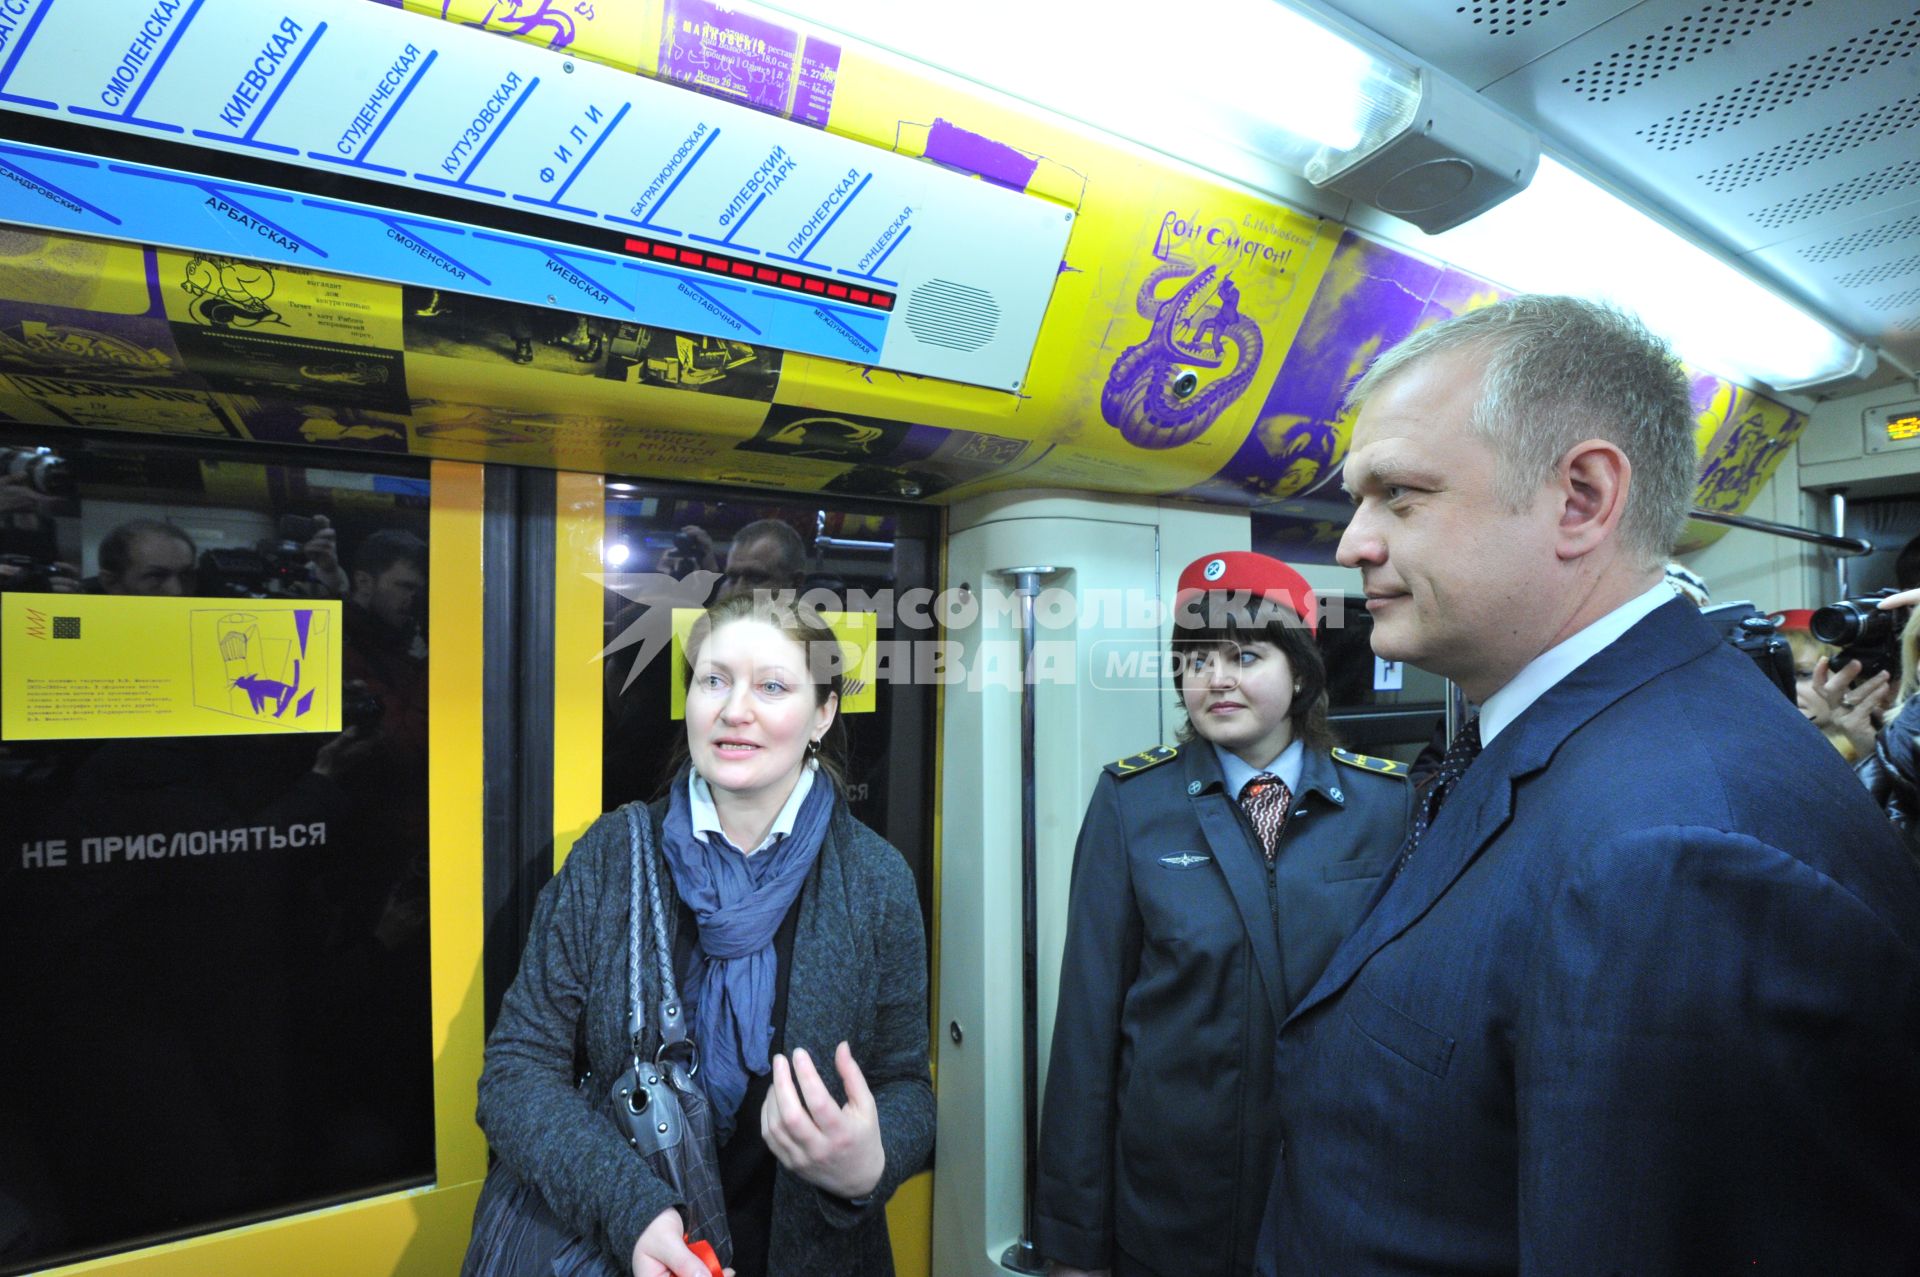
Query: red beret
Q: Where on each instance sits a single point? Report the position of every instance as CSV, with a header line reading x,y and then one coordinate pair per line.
x,y
1794,618
1247,573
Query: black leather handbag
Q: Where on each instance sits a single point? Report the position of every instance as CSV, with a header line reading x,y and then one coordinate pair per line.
x,y
655,1103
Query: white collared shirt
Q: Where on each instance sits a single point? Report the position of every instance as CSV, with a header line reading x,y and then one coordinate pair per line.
x,y
705,817
1237,772
1547,669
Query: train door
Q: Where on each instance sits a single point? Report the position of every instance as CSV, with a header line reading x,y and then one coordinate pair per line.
x,y
234,899
626,552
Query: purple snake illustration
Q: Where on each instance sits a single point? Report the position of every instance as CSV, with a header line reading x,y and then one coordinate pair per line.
x,y
525,18
1154,394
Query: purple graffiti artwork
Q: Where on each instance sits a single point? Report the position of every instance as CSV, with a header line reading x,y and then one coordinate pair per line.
x,y
524,18
264,691
1156,394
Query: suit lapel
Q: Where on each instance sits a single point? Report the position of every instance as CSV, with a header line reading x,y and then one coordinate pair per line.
x,y
1476,812
1241,863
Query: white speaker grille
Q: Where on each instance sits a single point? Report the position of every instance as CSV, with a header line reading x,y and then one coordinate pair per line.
x,y
1657,52
1507,19
1836,64
957,316
1868,127
1872,185
1880,274
1860,241
1896,301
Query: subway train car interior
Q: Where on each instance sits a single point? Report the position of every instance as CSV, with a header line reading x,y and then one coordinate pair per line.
x,y
386,386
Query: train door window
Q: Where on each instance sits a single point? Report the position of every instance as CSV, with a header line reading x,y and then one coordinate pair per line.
x,y
833,553
215,946
1387,708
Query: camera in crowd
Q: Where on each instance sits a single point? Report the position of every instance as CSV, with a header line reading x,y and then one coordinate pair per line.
x,y
1862,632
1758,635
41,469
274,567
360,707
32,574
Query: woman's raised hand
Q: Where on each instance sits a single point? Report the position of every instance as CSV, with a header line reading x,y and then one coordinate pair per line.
x,y
831,1146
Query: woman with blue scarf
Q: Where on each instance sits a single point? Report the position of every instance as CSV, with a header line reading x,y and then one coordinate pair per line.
x,y
800,951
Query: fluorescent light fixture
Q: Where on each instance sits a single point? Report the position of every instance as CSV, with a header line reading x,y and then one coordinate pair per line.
x,y
1272,81
1566,234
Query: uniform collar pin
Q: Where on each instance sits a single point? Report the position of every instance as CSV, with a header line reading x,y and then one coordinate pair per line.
x,y
1336,795
1193,787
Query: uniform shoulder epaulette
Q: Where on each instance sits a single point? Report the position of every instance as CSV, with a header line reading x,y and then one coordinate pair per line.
x,y
1143,760
1367,762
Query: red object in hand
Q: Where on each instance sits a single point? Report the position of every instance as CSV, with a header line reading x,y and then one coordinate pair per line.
x,y
703,1251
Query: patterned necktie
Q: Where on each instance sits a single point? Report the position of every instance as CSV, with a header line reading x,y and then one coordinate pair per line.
x,y
1460,755
1265,800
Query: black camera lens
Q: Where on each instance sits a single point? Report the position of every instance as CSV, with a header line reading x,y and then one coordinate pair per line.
x,y
44,470
360,707
1853,622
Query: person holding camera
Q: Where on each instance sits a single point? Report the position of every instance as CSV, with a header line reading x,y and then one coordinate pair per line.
x,y
1835,698
1891,769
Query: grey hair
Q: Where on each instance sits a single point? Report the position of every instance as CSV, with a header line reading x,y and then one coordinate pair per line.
x,y
1560,370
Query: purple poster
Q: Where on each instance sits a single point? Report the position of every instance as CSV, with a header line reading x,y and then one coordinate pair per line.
x,y
749,60
1371,298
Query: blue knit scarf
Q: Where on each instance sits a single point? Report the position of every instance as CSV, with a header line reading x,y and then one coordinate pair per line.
x,y
738,902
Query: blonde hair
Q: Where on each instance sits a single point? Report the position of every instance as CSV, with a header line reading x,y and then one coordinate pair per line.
x,y
1807,649
1909,662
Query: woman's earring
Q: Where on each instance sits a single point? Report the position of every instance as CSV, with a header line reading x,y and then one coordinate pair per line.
x,y
813,746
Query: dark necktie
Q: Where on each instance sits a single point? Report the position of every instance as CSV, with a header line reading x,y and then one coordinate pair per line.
x,y
1265,800
1460,755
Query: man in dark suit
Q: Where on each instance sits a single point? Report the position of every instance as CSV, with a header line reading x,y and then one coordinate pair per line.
x,y
1644,996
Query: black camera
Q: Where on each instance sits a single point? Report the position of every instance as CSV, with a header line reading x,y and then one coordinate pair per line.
x,y
360,707
44,470
33,575
1754,632
687,545
1862,632
273,567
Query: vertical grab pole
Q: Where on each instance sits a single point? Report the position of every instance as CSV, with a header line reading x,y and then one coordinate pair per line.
x,y
1021,1257
1840,572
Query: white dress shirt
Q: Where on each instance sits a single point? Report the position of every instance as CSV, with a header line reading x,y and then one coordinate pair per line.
x,y
705,818
1238,773
1545,670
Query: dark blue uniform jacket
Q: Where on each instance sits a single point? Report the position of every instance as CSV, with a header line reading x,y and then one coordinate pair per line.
x,y
1646,1000
1184,952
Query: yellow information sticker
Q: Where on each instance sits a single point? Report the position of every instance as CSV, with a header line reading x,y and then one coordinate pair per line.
x,y
858,659
96,666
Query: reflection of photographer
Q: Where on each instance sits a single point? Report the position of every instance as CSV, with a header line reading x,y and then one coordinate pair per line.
x,y
33,482
301,560
38,472
385,656
692,551
1891,772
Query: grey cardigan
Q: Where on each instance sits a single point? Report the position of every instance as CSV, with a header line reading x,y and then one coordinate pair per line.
x,y
859,974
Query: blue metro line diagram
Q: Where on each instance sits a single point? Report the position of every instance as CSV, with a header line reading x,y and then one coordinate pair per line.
x,y
450,158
